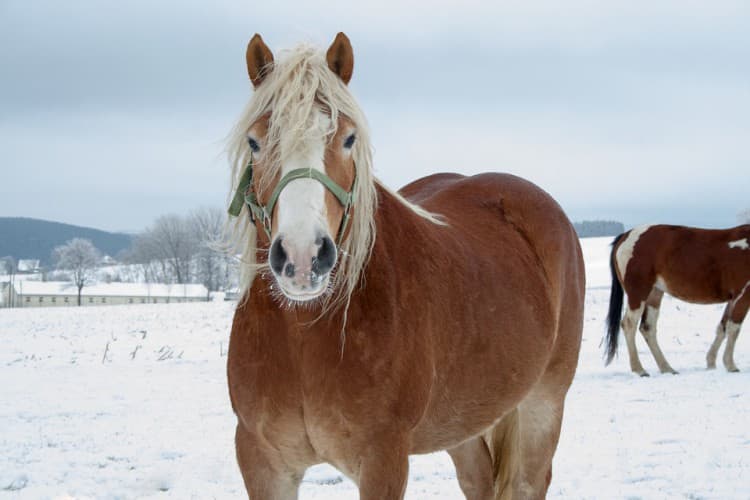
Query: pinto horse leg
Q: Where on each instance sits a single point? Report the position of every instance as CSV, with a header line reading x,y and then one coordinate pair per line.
x,y
737,315
384,470
648,329
721,332
629,325
265,474
733,330
474,469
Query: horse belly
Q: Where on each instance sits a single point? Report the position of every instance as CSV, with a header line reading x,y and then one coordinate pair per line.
x,y
695,289
493,358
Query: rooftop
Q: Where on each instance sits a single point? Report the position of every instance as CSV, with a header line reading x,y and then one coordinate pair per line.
x,y
63,288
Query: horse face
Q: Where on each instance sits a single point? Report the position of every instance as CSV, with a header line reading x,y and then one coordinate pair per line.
x,y
306,217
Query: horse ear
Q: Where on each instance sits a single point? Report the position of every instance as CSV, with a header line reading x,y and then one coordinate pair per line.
x,y
340,57
259,60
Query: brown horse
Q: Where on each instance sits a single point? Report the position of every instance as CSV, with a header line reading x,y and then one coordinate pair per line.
x,y
372,329
703,266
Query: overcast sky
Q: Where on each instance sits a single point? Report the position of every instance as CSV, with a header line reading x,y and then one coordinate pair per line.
x,y
112,113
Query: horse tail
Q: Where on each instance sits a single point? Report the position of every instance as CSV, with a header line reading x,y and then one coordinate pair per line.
x,y
615,304
503,441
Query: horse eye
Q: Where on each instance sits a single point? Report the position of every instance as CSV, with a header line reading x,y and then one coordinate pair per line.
x,y
349,142
253,144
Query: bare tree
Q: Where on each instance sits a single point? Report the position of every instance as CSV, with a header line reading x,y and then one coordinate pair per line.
x,y
744,216
80,258
207,226
146,256
176,245
10,268
166,250
185,249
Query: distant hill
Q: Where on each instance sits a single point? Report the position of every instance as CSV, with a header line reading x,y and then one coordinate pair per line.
x,y
25,238
589,228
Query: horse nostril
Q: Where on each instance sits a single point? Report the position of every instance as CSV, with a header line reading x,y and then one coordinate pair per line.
x,y
326,257
277,257
289,270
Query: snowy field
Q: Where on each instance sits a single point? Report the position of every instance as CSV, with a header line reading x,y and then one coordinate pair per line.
x,y
131,402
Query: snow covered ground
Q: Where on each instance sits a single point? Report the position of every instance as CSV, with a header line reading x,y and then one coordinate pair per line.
x,y
131,402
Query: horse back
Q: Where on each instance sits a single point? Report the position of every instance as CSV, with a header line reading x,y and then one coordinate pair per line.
x,y
693,264
517,205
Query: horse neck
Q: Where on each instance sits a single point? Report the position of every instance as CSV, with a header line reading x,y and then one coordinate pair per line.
x,y
403,239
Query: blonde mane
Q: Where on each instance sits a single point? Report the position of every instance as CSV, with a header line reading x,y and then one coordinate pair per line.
x,y
300,84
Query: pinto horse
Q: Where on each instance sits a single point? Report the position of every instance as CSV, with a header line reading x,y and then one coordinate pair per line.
x,y
372,328
703,266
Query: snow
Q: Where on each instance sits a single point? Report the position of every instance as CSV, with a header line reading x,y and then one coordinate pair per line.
x,y
131,402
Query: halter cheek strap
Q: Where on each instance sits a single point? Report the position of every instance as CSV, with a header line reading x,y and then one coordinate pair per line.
x,y
246,194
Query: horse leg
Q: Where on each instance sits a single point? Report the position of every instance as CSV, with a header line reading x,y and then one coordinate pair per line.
x,y
265,474
629,324
540,421
474,469
384,470
739,310
721,332
648,329
733,330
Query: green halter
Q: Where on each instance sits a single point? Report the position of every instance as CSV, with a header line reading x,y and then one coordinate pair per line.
x,y
245,193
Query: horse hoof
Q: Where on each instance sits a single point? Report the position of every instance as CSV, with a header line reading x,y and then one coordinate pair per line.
x,y
733,370
644,374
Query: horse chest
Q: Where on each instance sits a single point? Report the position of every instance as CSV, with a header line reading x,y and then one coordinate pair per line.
x,y
351,390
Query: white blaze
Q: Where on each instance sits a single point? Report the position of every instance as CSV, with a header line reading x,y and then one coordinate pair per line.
x,y
301,206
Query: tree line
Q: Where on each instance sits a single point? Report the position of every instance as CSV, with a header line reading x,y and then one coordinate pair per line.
x,y
191,249
591,228
183,249
174,249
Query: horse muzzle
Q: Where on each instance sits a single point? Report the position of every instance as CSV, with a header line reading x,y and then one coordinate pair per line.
x,y
302,271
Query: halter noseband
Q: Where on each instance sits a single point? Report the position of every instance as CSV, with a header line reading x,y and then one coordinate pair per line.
x,y
246,193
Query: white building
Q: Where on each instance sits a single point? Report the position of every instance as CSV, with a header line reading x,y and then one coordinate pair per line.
x,y
64,293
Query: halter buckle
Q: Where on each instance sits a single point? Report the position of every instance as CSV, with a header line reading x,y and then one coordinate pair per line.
x,y
246,194
267,222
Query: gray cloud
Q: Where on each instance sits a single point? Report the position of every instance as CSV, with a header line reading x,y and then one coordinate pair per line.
x,y
114,113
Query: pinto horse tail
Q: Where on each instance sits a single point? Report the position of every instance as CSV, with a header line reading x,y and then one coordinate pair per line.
x,y
615,305
503,440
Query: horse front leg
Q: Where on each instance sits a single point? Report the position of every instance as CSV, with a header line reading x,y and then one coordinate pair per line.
x,y
384,470
648,329
264,472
